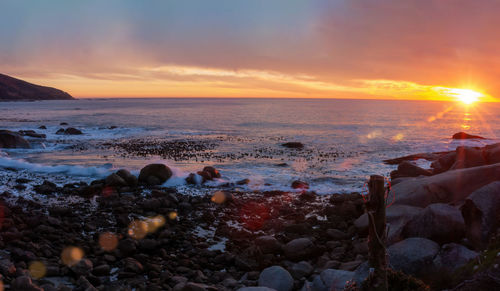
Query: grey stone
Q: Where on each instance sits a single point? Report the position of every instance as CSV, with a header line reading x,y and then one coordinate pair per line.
x,y
277,278
331,279
413,255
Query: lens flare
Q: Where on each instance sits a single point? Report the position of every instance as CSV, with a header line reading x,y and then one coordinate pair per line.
x,y
466,96
219,197
71,255
37,270
108,241
172,215
138,229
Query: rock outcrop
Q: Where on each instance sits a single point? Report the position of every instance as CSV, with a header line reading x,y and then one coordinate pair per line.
x,y
12,89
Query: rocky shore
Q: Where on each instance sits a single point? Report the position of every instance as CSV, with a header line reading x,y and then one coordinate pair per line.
x,y
128,232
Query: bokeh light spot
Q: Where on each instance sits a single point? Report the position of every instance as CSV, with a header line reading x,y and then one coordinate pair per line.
x,y
172,215
71,255
155,222
219,197
37,269
138,229
108,241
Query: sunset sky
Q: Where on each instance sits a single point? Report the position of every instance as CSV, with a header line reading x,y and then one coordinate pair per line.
x,y
256,48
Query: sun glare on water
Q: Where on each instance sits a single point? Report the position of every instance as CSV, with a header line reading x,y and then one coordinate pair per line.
x,y
466,96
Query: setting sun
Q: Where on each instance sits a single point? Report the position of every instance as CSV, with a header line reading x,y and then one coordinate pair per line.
x,y
466,96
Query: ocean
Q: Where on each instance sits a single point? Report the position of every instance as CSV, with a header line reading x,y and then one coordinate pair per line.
x,y
345,141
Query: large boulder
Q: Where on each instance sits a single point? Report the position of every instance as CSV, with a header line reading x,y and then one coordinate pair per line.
x,y
448,187
492,153
155,174
331,279
396,216
277,278
12,140
468,157
409,169
438,222
268,244
481,212
452,257
130,179
413,256
444,162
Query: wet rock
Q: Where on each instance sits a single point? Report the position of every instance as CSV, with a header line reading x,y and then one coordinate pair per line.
x,y
293,145
206,176
301,269
300,185
127,246
277,278
9,139
413,256
133,265
46,188
481,214
213,172
463,135
101,270
69,131
60,131
24,283
194,179
32,133
42,127
298,249
83,267
453,256
155,174
114,180
438,222
130,179
336,234
331,279
268,244
243,182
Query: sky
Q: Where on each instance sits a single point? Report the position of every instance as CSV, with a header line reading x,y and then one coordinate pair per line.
x,y
413,49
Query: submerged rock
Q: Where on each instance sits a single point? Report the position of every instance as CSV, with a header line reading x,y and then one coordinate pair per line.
x,y
213,172
155,174
463,135
293,145
10,140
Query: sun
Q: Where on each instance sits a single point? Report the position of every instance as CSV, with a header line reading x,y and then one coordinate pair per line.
x,y
466,96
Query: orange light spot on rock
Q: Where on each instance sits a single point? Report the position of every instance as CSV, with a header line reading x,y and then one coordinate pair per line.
x,y
172,215
37,270
219,197
71,255
138,229
108,241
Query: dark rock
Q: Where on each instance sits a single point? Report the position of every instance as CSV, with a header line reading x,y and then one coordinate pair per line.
x,y
413,256
72,131
444,162
114,180
155,174
205,175
32,133
133,265
438,222
300,185
256,289
298,249
46,188
60,131
452,257
127,246
194,179
24,283
481,214
83,267
130,179
63,123
336,234
213,172
301,269
268,244
293,145
243,182
463,135
409,169
102,270
277,278
42,127
331,279
9,139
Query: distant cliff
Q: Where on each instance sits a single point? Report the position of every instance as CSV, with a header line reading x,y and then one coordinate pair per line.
x,y
12,89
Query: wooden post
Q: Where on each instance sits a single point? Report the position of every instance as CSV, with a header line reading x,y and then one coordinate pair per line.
x,y
376,232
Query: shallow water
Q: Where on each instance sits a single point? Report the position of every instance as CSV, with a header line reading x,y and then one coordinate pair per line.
x,y
345,140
